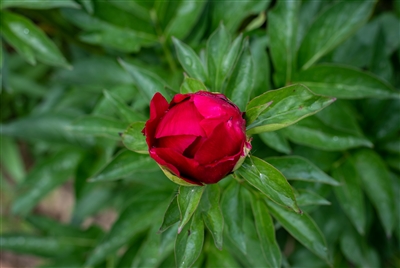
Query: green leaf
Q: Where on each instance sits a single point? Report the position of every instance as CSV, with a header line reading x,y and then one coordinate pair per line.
x,y
49,127
126,113
276,141
125,164
377,184
269,181
171,216
240,84
38,4
212,215
45,177
134,139
192,85
97,126
137,217
302,228
40,246
55,228
147,82
280,108
314,133
87,5
11,159
266,232
350,194
355,249
95,72
188,200
282,32
189,242
380,64
254,256
345,82
331,28
221,56
389,23
127,258
341,116
113,28
299,168
256,23
30,41
308,198
91,202
185,18
154,249
189,60
221,258
261,62
241,9
232,206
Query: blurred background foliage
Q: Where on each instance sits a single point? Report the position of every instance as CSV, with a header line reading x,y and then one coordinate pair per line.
x,y
76,73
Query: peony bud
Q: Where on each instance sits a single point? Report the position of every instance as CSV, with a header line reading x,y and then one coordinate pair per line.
x,y
199,138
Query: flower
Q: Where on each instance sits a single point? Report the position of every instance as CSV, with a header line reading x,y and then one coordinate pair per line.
x,y
198,138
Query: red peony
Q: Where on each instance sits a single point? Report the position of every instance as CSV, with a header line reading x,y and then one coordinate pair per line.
x,y
197,138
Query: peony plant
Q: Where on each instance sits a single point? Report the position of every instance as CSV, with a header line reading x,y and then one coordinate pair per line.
x,y
199,133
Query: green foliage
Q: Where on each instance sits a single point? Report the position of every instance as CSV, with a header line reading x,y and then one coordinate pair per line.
x,y
316,80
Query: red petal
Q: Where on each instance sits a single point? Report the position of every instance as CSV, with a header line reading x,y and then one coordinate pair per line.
x,y
182,119
179,98
185,167
214,173
194,147
224,141
210,124
177,143
162,162
158,107
214,105
191,171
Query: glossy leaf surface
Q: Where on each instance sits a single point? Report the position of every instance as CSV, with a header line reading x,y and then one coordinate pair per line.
x,y
188,200
266,232
376,182
172,215
314,133
97,126
125,164
269,181
331,28
232,206
189,242
211,213
344,82
147,82
280,108
30,41
191,85
240,85
282,31
134,139
190,61
299,168
302,227
350,194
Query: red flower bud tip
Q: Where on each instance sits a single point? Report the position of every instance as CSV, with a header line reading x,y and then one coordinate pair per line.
x,y
198,138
